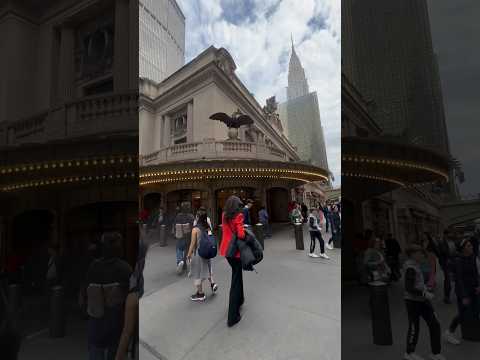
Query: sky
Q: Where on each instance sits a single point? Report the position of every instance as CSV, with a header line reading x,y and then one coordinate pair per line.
x,y
455,31
257,33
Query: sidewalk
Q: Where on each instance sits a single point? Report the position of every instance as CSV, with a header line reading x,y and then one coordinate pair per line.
x,y
291,311
357,337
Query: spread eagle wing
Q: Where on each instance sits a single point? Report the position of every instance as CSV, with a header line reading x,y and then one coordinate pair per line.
x,y
243,120
227,120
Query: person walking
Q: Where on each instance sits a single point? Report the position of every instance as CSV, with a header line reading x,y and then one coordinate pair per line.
x,y
108,283
265,221
418,304
429,266
201,269
201,210
296,214
304,210
183,225
315,233
336,226
233,229
247,220
374,262
326,215
447,254
392,253
467,289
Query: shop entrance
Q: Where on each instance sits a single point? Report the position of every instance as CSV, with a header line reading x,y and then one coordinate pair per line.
x,y
243,193
277,204
196,198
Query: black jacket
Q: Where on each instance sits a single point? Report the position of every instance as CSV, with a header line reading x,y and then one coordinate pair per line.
x,y
251,251
466,276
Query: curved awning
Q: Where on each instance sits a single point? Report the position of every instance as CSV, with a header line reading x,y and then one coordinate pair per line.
x,y
205,170
398,164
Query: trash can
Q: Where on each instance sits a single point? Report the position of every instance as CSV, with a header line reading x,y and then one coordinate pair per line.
x,y
259,232
471,325
57,312
299,236
380,312
337,239
163,235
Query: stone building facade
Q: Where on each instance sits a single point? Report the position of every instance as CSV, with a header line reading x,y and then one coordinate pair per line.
x,y
70,157
186,156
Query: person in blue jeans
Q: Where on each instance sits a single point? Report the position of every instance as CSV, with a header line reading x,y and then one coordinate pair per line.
x,y
183,225
264,220
247,220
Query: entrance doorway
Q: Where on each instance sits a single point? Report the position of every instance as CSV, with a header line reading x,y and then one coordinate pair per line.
x,y
196,198
244,193
277,204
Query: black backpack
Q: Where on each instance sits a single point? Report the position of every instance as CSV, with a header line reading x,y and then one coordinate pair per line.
x,y
207,247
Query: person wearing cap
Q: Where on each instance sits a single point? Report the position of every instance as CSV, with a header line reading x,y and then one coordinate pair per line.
x,y
467,288
418,304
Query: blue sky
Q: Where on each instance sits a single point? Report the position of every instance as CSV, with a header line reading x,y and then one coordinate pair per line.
x,y
257,35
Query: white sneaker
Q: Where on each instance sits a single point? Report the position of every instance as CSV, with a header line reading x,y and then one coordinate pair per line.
x,y
412,356
316,256
329,247
438,357
180,267
313,255
325,256
450,338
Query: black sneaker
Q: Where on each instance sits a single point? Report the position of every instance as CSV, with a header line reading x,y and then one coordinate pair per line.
x,y
214,287
198,297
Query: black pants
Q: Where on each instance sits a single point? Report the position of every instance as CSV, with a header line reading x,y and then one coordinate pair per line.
x,y
417,309
316,235
447,282
236,291
464,311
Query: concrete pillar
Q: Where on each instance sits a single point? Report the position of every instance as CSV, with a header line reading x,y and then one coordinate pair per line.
x,y
66,63
121,59
134,44
166,129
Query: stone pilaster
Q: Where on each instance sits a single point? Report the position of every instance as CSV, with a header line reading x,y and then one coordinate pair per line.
x,y
121,59
66,63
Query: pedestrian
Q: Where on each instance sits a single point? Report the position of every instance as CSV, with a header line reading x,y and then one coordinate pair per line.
x,y
374,262
336,226
183,225
107,289
304,210
429,265
326,215
467,289
393,251
296,215
129,337
314,227
55,267
447,254
265,221
418,304
201,268
247,220
233,229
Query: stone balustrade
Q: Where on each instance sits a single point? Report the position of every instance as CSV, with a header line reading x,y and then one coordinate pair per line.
x,y
213,150
95,115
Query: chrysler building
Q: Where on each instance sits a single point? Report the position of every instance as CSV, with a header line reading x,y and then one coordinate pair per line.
x,y
297,82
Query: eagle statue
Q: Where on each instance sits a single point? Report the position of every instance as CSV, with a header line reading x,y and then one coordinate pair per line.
x,y
235,121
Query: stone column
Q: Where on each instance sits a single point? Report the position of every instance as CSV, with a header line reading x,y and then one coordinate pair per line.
x,y
134,44
121,58
166,131
66,63
190,122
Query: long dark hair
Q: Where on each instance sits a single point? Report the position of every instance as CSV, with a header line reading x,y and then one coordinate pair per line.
x,y
202,220
232,207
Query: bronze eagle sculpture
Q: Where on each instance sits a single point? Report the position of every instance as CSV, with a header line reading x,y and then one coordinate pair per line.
x,y
235,121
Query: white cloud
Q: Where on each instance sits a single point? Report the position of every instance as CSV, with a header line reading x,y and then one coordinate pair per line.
x,y
261,50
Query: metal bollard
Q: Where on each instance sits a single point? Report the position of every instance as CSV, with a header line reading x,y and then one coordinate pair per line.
x,y
163,235
259,232
299,236
57,312
14,302
380,312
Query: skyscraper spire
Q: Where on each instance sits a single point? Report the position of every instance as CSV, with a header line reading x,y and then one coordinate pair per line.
x,y
297,82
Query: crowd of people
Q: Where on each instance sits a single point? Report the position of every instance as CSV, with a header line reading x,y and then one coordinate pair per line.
x,y
326,216
455,257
